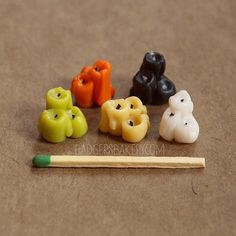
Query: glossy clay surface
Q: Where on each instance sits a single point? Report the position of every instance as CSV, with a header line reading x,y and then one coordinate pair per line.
x,y
177,122
125,117
62,119
150,84
93,85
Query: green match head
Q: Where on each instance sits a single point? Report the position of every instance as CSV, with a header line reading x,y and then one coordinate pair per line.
x,y
41,160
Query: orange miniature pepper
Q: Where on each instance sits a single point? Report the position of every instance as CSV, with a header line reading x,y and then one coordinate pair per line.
x,y
82,88
96,87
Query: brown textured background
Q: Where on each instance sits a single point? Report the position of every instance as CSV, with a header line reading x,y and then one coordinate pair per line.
x,y
43,44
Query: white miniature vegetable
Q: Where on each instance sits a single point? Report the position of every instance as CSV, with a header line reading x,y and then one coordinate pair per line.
x,y
178,122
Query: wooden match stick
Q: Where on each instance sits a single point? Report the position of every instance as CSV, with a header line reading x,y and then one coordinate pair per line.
x,y
117,161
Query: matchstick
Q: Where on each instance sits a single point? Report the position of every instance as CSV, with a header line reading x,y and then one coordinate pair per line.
x,y
117,161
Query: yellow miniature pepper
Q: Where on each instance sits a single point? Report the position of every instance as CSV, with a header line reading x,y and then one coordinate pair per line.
x,y
125,117
135,128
